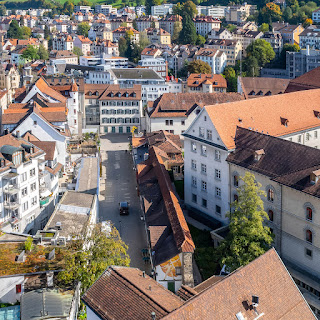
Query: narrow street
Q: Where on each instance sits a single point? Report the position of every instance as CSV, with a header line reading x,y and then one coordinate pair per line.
x,y
118,183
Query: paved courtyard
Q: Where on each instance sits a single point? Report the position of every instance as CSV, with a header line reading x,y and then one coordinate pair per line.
x,y
118,183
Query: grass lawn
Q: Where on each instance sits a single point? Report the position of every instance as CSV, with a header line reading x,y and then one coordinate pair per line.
x,y
205,253
180,188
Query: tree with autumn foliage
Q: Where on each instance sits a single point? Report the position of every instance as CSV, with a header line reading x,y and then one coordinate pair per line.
x,y
269,13
90,254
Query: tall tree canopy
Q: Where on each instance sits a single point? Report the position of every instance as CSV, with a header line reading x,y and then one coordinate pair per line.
x,y
248,237
199,66
83,28
30,53
14,31
188,34
89,256
261,50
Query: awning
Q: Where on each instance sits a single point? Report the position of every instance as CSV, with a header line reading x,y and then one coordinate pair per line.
x,y
45,193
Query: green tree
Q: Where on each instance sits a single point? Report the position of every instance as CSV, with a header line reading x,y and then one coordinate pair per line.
x,y
134,24
261,50
200,40
271,12
3,10
83,28
188,34
251,66
43,52
28,244
264,28
46,32
190,9
30,53
14,31
231,77
177,27
287,14
88,256
26,31
248,238
123,46
287,47
143,40
77,51
68,7
150,3
199,66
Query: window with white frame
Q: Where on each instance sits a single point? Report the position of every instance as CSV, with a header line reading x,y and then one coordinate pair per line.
x,y
218,174
209,134
204,150
33,186
193,146
194,164
25,206
218,192
203,185
217,155
32,172
203,168
194,181
24,177
24,192
201,132
34,201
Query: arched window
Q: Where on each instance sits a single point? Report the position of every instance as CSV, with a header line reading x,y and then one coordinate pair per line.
x,y
308,213
309,236
236,180
270,214
270,195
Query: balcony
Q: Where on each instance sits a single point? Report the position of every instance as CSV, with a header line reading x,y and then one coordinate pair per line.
x,y
11,205
44,201
11,189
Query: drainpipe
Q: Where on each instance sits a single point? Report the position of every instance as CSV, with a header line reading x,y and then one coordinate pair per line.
x,y
281,206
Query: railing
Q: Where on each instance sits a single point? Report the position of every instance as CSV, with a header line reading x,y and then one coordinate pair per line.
x,y
12,189
44,201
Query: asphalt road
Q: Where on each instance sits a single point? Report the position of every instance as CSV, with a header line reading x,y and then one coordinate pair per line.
x,y
118,184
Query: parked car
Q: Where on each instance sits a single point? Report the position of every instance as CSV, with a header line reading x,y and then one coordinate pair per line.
x,y
124,208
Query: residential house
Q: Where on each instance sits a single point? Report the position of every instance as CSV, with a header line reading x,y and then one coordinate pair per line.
x,y
120,109
83,9
120,21
210,138
162,10
100,33
307,81
167,23
63,55
121,32
246,37
232,49
9,80
310,37
238,14
105,9
83,44
275,39
206,83
62,42
205,24
220,34
148,53
316,16
158,36
216,12
175,112
159,65
290,33
170,240
100,47
132,288
216,59
253,87
146,22
291,186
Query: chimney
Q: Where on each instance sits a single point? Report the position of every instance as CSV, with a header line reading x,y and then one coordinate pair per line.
x,y
143,274
153,315
18,134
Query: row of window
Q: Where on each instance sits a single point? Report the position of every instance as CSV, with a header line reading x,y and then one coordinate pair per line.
x,y
204,203
120,111
120,103
33,187
120,120
25,205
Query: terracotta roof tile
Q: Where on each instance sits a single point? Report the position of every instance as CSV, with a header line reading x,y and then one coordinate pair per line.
x,y
48,147
126,294
263,114
265,277
196,80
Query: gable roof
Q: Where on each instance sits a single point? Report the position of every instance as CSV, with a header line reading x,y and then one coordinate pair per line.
x,y
129,294
256,87
265,277
283,161
309,80
266,114
182,104
197,79
48,147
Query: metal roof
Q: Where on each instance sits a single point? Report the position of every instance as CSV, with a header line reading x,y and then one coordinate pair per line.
x,y
7,149
45,303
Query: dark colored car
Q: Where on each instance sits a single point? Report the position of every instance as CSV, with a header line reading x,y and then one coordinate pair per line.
x,y
124,208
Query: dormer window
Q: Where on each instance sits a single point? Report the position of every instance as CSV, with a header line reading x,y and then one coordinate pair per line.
x,y
126,94
96,93
134,94
111,94
315,176
119,94
284,121
316,114
258,154
90,93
